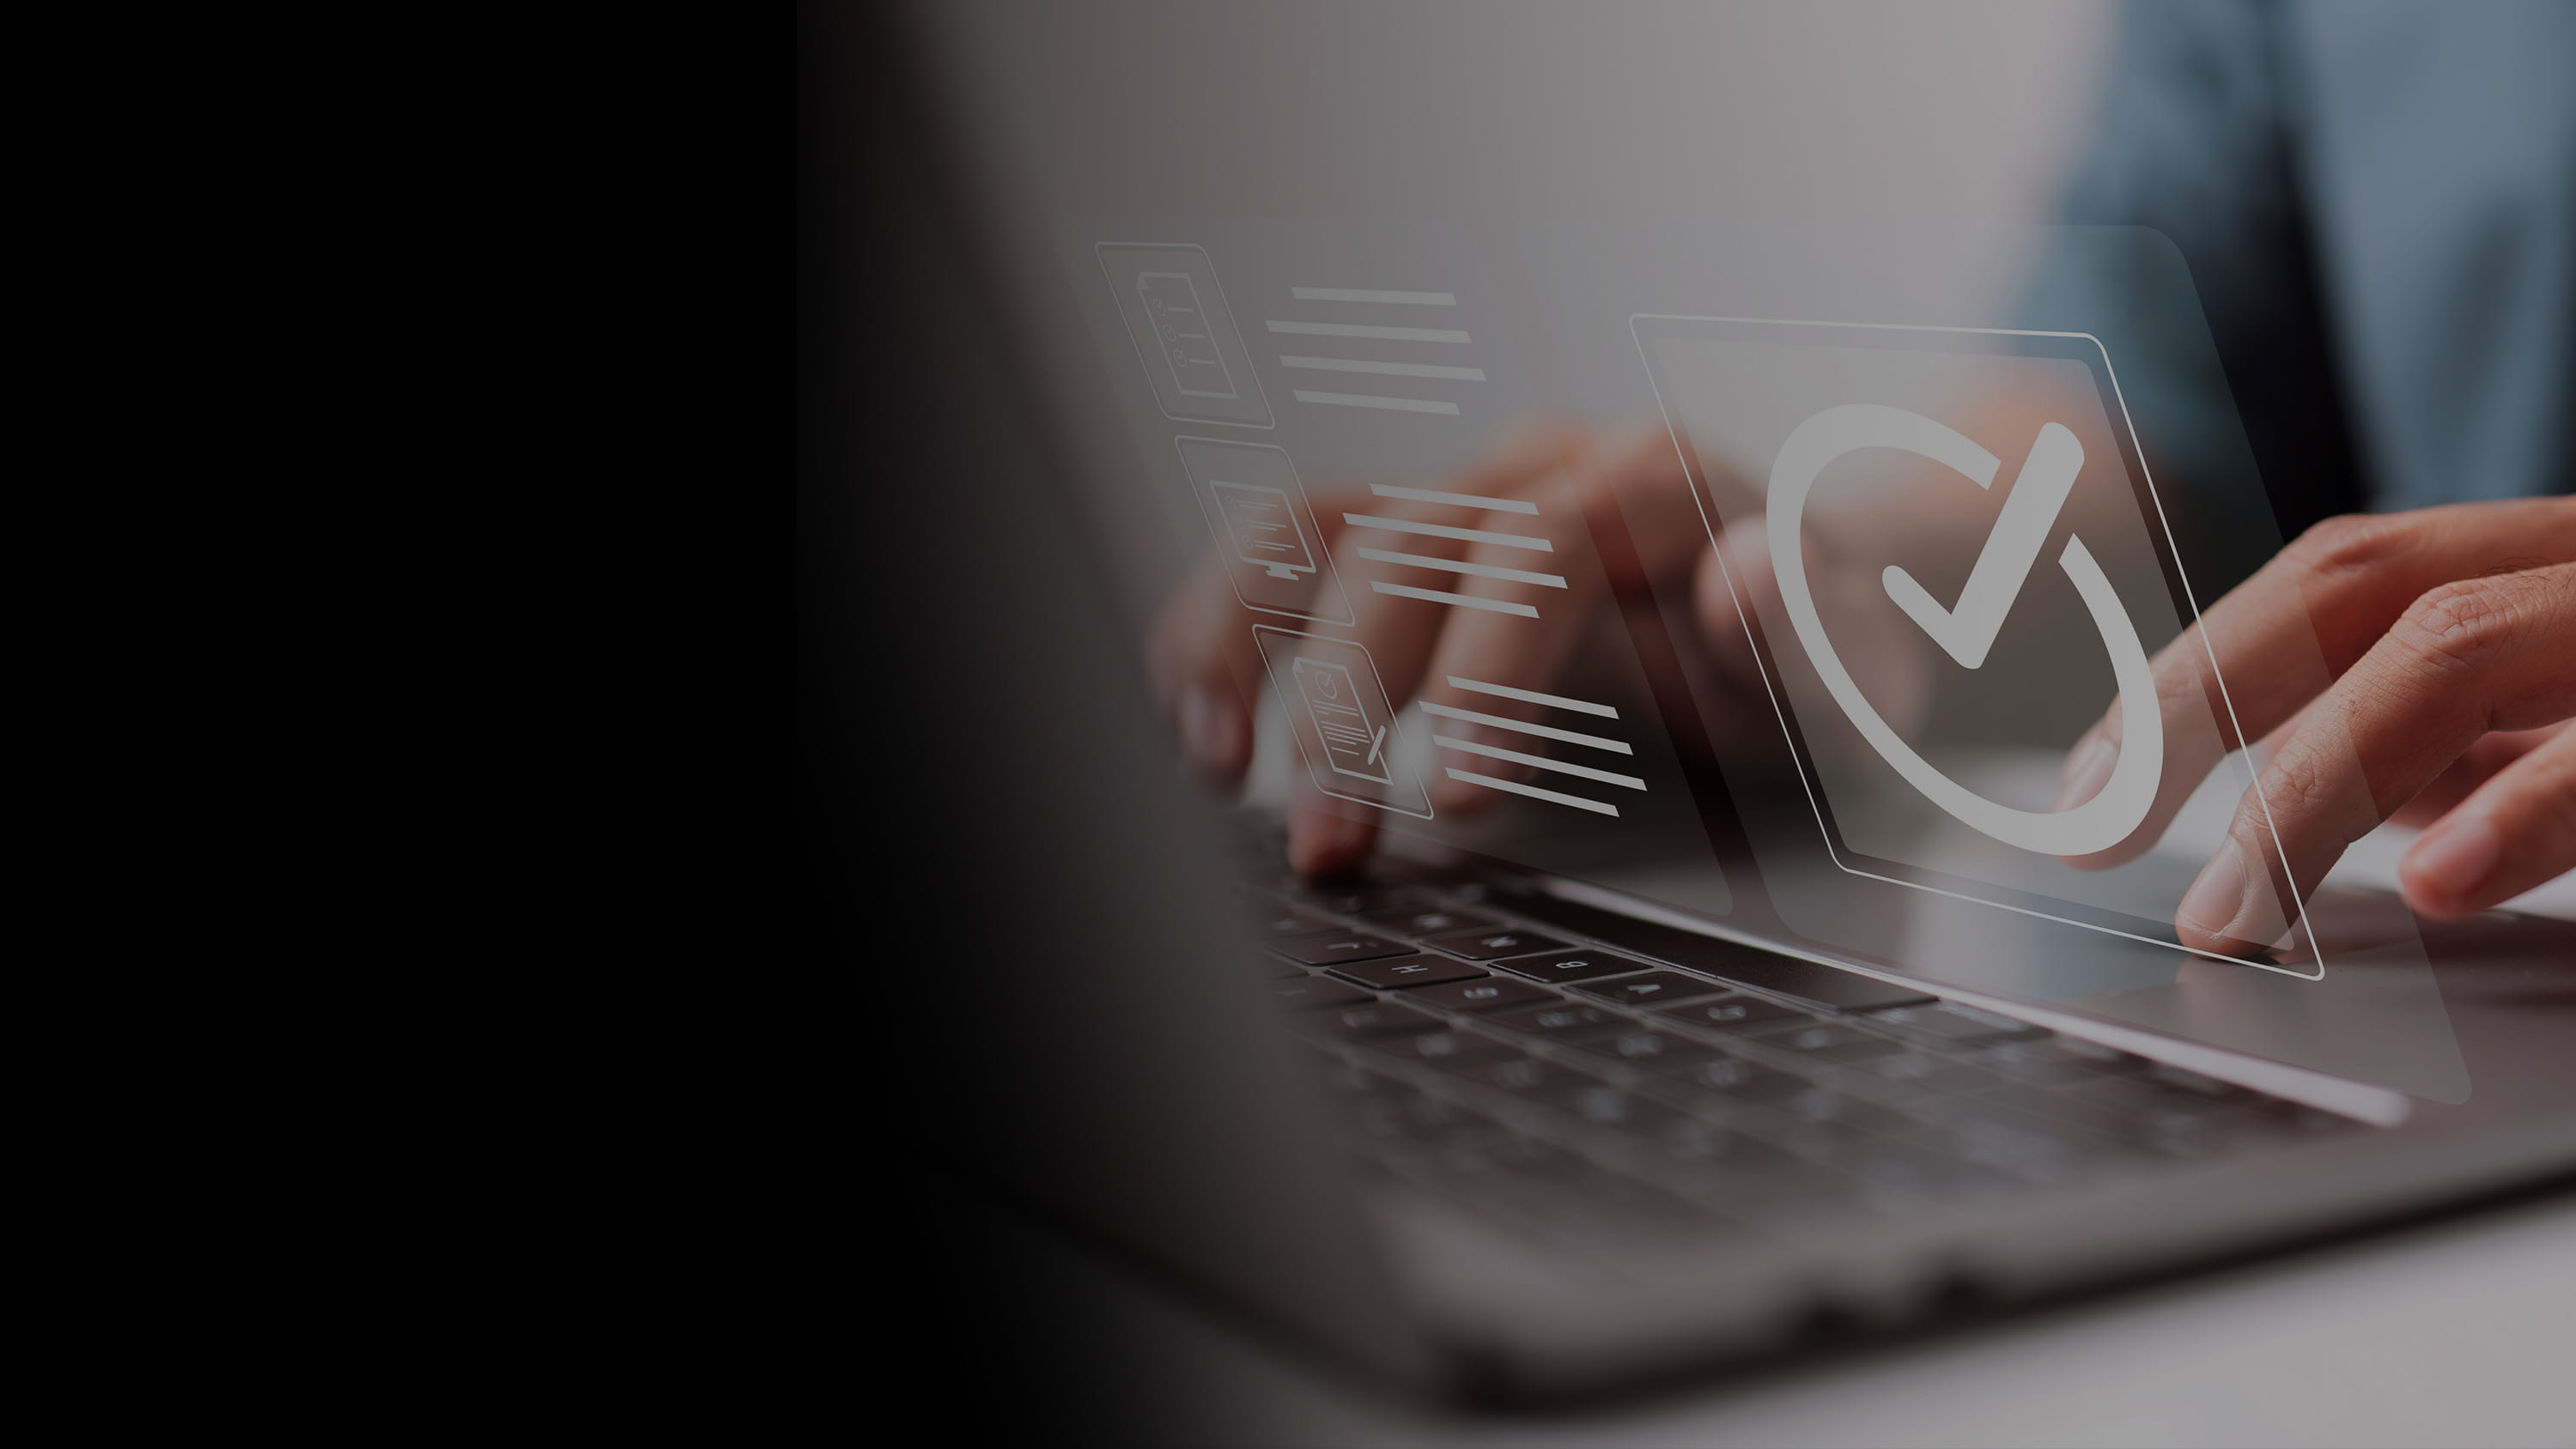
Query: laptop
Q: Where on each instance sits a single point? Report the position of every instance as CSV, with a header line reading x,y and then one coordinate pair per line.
x,y
1698,1051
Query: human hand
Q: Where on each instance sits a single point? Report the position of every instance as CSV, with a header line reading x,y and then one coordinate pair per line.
x,y
2444,628
1629,488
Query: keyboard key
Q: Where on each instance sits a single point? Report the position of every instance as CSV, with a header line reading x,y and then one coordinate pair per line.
x,y
1308,993
1492,993
1823,986
1922,1071
1561,1019
1571,966
1817,1104
1741,1081
1611,1107
1732,1012
1332,948
1355,899
1406,971
1380,1018
1492,945
1643,1046
1448,1048
1827,1042
1426,920
1295,923
1651,989
1525,1075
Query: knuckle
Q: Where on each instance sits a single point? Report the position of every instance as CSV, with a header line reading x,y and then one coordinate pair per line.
x,y
2298,785
2353,543
2461,623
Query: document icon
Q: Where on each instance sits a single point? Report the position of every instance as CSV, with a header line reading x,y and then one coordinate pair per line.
x,y
1184,334
1262,524
1182,328
1265,529
1344,723
1353,745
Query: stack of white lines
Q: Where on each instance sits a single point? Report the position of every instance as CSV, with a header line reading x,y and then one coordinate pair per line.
x,y
1488,537
1375,367
1540,731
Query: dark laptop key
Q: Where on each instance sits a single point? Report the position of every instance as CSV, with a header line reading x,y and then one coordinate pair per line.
x,y
1827,1042
1380,1018
1406,971
1749,1013
1612,1107
1954,1024
1308,993
1356,899
1332,948
1571,966
1924,1072
1823,986
1426,920
1652,989
1561,1018
1694,1141
1490,945
1295,923
1816,1104
1741,1081
1643,1046
1524,1076
1456,1049
1492,993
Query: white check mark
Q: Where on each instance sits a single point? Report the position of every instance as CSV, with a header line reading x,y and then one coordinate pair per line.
x,y
1968,630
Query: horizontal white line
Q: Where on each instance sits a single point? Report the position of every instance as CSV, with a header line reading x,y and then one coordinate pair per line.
x,y
1382,334
1461,566
1383,369
1371,400
1462,500
1540,762
1532,696
1464,601
1442,530
1370,294
1545,732
1578,802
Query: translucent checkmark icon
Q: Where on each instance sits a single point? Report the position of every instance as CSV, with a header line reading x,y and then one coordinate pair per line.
x,y
1966,630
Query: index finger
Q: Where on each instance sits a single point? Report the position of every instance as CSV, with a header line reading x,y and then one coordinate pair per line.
x,y
2277,640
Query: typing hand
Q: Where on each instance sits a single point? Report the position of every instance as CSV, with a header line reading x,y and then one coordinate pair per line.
x,y
1575,487
2443,627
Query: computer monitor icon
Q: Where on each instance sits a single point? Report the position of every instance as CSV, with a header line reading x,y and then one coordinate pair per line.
x,y
1262,524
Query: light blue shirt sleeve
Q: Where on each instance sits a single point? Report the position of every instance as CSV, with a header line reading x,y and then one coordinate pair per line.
x,y
2377,202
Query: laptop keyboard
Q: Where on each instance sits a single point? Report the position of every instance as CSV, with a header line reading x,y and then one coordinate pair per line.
x,y
1568,1084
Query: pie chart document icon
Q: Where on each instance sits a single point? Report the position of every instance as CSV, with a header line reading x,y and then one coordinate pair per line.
x,y
1950,560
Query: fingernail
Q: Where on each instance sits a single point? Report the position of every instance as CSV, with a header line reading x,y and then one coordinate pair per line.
x,y
2232,901
1198,725
2457,858
2088,769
